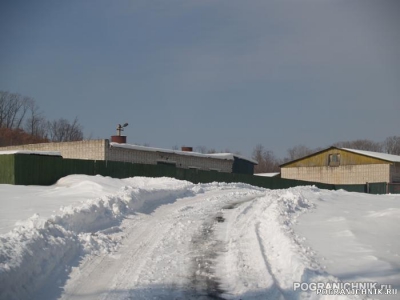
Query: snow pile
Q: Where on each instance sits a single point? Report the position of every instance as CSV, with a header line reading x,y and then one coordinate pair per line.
x,y
264,255
354,236
217,240
37,248
30,253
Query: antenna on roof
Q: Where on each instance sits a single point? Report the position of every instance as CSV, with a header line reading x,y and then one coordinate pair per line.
x,y
121,139
121,128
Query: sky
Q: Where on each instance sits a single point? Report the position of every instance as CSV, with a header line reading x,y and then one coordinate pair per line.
x,y
220,74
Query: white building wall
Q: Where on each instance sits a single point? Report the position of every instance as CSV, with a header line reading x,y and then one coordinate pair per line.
x,y
92,149
181,161
101,150
351,174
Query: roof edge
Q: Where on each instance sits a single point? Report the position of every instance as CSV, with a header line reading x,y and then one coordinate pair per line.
x,y
220,156
309,155
354,151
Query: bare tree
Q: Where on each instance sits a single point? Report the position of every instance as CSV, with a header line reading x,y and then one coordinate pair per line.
x,y
298,152
11,137
267,162
36,124
366,145
392,145
13,108
226,150
4,100
22,116
63,131
201,149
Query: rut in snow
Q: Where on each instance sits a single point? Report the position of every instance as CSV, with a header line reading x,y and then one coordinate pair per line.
x,y
206,249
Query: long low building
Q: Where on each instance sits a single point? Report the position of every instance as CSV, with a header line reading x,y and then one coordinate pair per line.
x,y
111,151
344,166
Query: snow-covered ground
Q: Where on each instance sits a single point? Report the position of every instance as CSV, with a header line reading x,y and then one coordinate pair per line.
x,y
146,238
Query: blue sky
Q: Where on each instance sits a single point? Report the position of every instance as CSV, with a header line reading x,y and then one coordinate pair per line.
x,y
221,74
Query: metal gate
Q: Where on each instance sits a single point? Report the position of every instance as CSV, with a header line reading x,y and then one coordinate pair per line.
x,y
393,188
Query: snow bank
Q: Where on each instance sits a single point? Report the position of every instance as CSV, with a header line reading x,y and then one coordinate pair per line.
x,y
21,202
354,236
28,152
278,257
255,239
37,247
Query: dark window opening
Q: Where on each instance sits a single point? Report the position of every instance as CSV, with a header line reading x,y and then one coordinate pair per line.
x,y
334,160
167,163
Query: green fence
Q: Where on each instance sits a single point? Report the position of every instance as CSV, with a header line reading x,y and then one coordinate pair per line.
x,y
371,188
359,188
394,188
32,169
7,171
377,188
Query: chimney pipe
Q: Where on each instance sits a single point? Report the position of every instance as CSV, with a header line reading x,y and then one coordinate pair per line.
x,y
120,139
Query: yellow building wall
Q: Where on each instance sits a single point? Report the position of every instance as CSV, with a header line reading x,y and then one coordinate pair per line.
x,y
346,158
350,174
353,169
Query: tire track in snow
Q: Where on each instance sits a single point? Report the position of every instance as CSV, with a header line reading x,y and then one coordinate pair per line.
x,y
267,262
206,248
209,249
157,257
245,255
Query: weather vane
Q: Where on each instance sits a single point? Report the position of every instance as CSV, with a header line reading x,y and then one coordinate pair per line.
x,y
121,128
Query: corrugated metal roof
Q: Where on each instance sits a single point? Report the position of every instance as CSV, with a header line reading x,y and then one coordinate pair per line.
x,y
226,156
379,155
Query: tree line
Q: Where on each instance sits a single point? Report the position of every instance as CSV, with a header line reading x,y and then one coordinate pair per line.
x,y
268,162
22,122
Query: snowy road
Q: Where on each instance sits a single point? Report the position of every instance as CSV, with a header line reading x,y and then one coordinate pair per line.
x,y
162,238
176,249
220,244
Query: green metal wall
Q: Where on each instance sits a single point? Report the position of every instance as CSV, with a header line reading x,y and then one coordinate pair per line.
x,y
25,169
7,169
394,188
377,188
242,166
359,188
46,170
37,169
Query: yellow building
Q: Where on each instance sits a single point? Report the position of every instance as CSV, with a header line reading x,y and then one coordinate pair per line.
x,y
344,166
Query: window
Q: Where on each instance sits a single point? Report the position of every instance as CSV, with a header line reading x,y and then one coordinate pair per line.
x,y
334,160
166,163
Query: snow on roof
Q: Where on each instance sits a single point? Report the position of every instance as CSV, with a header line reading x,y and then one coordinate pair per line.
x,y
231,157
49,153
379,155
267,174
226,156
